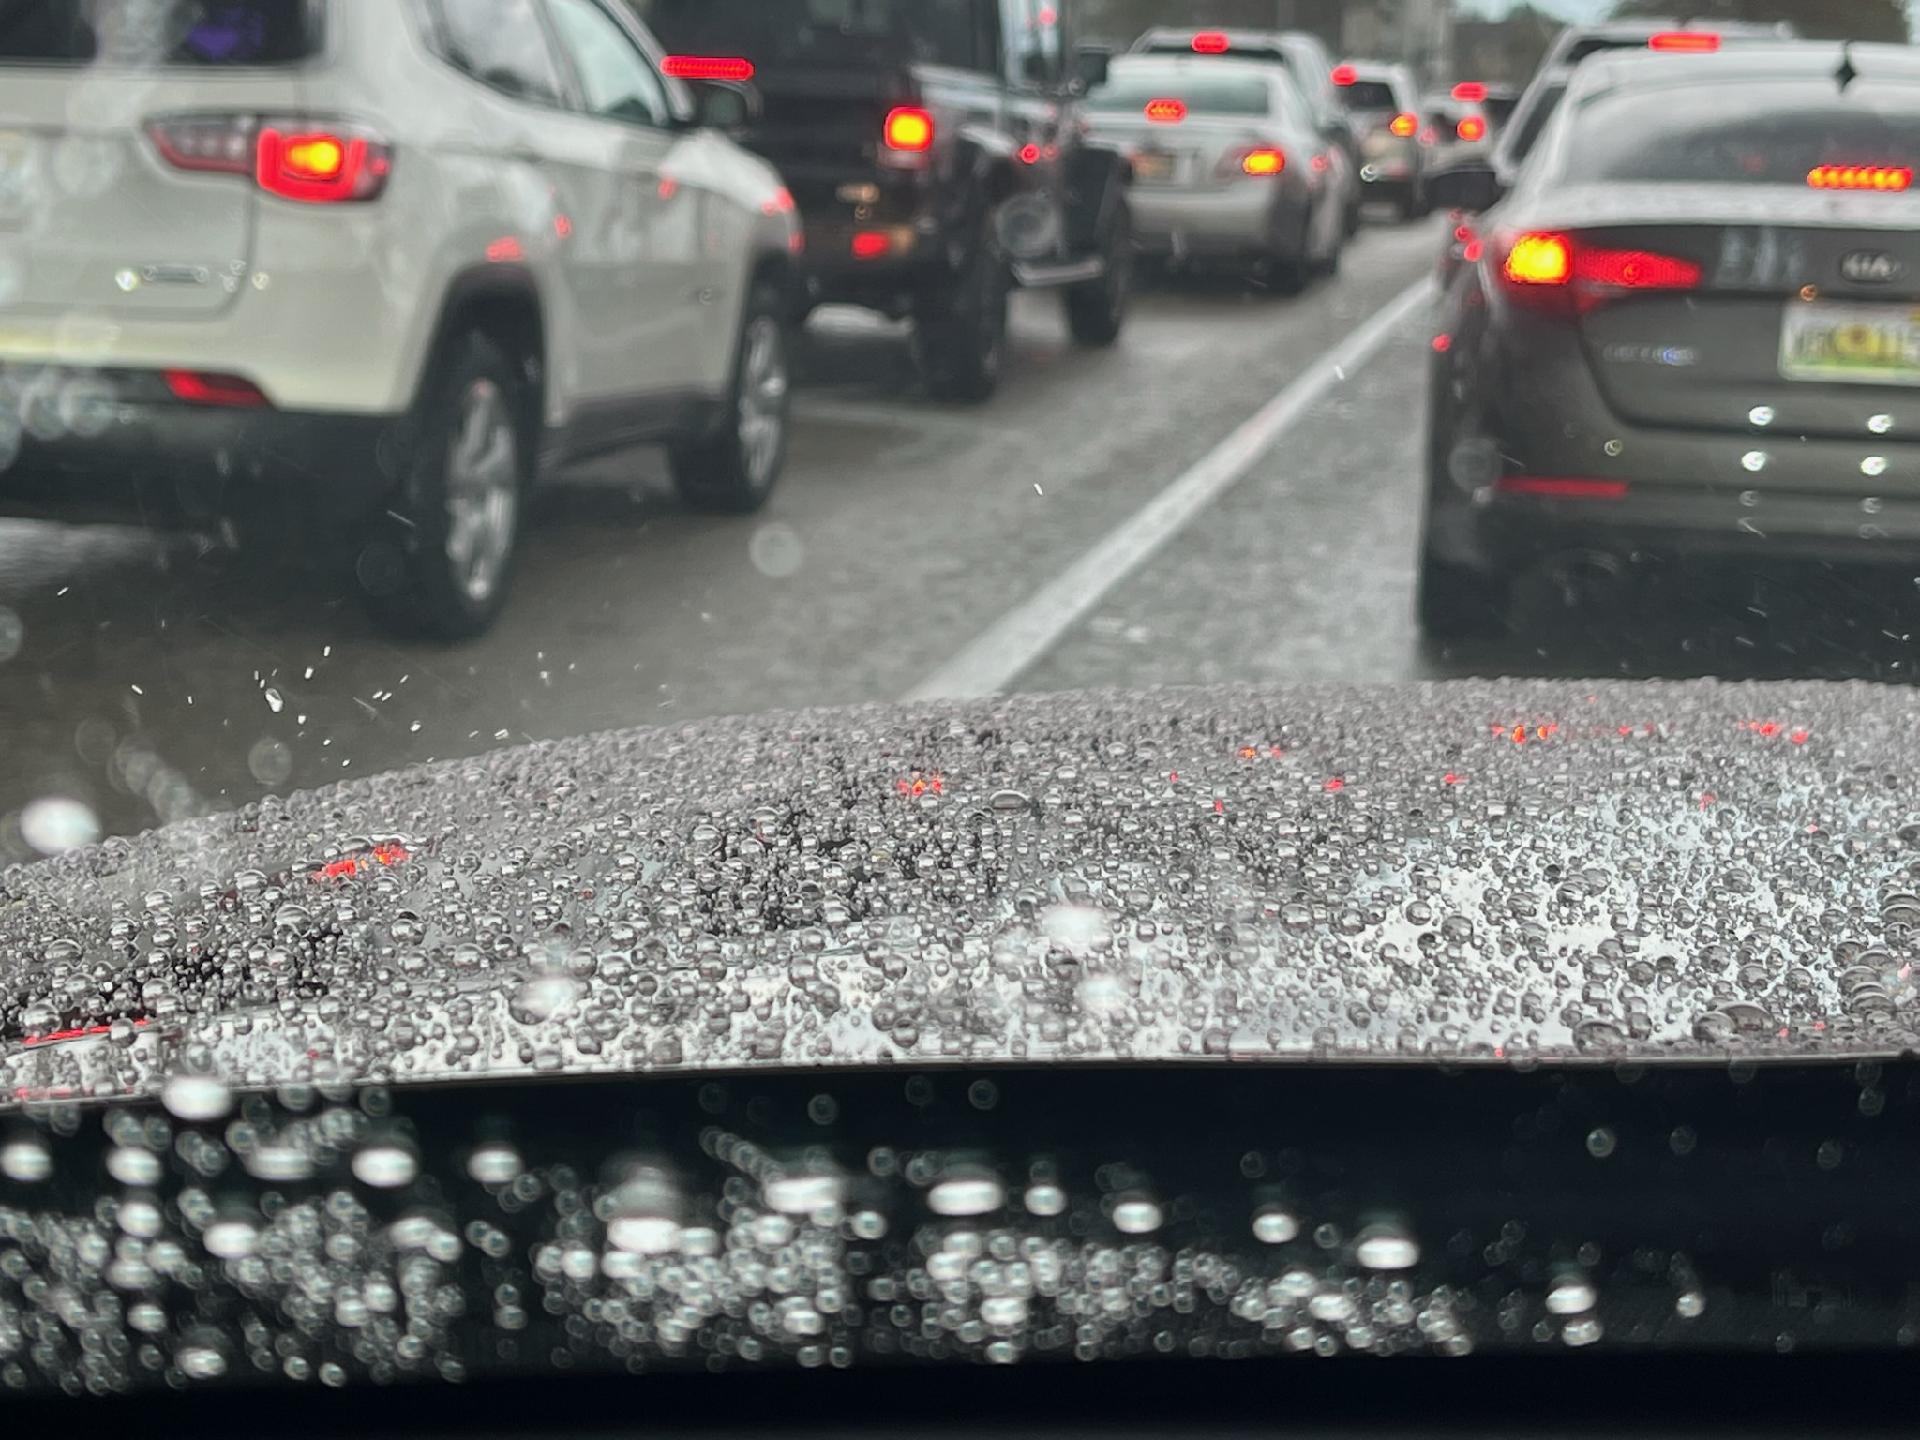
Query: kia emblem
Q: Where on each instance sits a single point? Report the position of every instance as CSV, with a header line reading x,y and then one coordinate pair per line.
x,y
1870,267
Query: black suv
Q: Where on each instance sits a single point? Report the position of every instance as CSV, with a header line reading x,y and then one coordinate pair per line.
x,y
936,153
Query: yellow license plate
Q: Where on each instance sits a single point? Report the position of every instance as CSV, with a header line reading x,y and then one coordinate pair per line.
x,y
1851,344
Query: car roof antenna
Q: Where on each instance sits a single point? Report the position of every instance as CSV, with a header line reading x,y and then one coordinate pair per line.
x,y
1846,74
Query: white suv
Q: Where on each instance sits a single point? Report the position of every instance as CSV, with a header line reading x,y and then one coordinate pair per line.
x,y
377,261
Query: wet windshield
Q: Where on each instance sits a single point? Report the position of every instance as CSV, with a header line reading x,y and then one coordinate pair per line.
x,y
781,561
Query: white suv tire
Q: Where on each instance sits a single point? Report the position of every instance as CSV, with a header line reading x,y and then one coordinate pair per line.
x,y
466,495
734,467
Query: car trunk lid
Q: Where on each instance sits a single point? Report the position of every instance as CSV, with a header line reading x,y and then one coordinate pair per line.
x,y
1799,313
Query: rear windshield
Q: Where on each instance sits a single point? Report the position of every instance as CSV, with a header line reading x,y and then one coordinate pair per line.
x,y
169,33
1527,131
1743,131
795,33
1369,95
1202,94
1237,52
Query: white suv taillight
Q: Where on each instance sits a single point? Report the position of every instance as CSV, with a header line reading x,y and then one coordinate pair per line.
x,y
315,162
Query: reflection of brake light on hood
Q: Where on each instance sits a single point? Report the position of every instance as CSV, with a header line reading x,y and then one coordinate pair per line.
x,y
78,1032
361,862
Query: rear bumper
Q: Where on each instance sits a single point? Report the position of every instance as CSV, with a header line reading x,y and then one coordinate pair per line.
x,y
167,464
1819,508
1230,220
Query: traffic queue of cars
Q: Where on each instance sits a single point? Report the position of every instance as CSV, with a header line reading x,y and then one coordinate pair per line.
x,y
1685,324
373,272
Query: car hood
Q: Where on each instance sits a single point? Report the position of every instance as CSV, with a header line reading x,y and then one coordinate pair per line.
x,y
1504,874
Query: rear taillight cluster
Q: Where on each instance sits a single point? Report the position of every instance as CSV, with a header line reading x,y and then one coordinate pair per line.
x,y
313,162
1551,270
906,137
1258,161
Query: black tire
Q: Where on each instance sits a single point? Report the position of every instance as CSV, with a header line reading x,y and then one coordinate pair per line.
x,y
1329,263
1097,310
960,331
1414,205
444,567
733,468
1351,223
1455,603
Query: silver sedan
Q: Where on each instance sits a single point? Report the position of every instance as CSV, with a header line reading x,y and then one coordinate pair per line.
x,y
1227,164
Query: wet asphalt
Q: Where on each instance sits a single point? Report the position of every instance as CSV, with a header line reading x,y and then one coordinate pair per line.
x,y
150,677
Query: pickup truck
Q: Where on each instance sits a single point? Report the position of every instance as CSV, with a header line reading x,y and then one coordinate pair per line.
x,y
937,155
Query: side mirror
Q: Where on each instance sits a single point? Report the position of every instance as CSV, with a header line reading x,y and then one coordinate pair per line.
x,y
1091,64
723,105
1465,187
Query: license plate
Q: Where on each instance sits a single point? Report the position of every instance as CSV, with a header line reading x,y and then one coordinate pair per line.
x,y
1153,167
1851,344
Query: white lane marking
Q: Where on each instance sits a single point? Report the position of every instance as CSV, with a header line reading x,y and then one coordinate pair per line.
x,y
997,656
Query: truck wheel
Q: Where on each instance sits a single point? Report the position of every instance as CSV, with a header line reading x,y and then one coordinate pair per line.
x,y
1097,309
960,332
451,559
1455,603
734,468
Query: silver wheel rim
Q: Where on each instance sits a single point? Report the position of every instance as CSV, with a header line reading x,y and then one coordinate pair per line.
x,y
763,399
483,491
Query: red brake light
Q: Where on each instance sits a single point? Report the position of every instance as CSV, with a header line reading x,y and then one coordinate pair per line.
x,y
870,244
197,387
1860,177
909,130
1470,90
1264,161
1688,42
1539,259
1404,124
1210,42
1471,127
317,167
1544,263
731,68
1635,270
1166,112
1345,74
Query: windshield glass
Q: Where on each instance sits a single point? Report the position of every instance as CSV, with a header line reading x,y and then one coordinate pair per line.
x,y
794,32
190,33
774,563
1203,93
1367,96
1774,134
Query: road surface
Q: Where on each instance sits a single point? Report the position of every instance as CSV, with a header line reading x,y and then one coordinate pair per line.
x,y
1231,494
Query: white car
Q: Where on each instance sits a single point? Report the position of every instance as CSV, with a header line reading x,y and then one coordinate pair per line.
x,y
378,261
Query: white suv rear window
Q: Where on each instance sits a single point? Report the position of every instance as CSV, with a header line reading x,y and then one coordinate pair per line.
x,y
159,33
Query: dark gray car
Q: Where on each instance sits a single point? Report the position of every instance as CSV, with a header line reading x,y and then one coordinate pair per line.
x,y
1694,327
